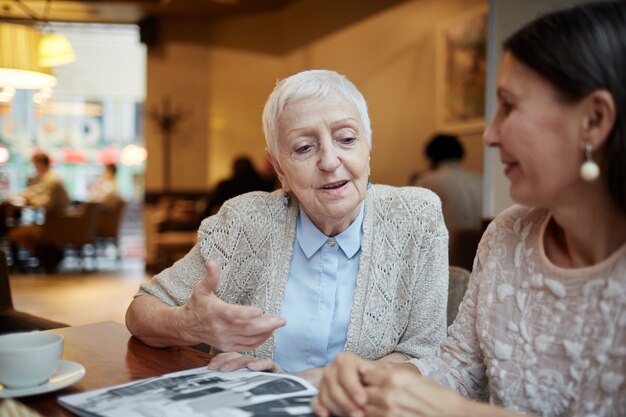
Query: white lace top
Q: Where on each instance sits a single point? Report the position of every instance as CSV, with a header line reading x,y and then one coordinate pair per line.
x,y
533,337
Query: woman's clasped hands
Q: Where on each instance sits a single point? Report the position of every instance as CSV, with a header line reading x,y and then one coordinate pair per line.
x,y
355,387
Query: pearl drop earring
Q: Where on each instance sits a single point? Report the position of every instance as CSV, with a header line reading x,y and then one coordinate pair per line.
x,y
589,170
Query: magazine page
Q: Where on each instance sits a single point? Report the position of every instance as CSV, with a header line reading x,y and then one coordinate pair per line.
x,y
199,392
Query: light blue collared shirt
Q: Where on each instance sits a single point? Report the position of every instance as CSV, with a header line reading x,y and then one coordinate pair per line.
x,y
318,296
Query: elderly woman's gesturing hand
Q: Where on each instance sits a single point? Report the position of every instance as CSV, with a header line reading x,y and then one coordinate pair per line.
x,y
227,327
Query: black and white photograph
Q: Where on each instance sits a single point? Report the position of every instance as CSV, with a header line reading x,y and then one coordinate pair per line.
x,y
200,392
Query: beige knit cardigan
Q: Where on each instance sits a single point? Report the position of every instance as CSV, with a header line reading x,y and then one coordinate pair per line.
x,y
402,284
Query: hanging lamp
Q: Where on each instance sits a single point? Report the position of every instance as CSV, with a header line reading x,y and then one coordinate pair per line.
x,y
19,59
55,49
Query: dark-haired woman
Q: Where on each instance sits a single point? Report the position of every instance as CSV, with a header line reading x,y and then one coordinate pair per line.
x,y
542,328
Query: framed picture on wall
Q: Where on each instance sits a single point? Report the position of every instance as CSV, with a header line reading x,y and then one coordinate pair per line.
x,y
461,68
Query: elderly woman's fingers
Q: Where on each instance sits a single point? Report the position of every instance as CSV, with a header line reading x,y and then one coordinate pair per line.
x,y
218,360
235,313
237,363
231,361
241,335
260,325
266,365
247,320
238,343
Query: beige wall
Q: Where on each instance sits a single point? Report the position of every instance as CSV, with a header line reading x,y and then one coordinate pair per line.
x,y
390,56
178,72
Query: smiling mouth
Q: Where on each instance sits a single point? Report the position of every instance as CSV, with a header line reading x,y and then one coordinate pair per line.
x,y
334,185
508,167
508,163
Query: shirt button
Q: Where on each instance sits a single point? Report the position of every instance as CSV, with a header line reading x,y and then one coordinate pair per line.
x,y
331,243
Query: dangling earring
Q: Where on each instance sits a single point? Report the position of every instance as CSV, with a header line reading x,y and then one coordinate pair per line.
x,y
589,170
286,199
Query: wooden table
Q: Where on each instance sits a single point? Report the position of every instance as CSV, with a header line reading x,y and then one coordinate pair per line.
x,y
112,356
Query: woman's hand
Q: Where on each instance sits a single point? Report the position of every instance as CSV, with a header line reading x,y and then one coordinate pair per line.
x,y
227,327
341,391
231,361
393,391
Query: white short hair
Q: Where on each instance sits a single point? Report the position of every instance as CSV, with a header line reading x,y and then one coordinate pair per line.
x,y
311,83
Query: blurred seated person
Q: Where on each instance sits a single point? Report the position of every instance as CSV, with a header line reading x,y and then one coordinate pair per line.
x,y
104,189
46,191
244,179
330,263
46,188
182,215
460,190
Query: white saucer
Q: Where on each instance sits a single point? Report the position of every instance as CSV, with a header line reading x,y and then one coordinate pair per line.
x,y
67,373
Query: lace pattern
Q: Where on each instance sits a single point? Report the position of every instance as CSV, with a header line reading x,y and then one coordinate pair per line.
x,y
534,337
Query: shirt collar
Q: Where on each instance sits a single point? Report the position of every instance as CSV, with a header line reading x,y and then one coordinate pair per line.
x,y
311,239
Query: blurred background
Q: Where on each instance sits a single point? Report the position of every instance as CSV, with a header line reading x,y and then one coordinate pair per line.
x,y
171,92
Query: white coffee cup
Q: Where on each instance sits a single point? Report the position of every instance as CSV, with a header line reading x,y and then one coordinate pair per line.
x,y
29,359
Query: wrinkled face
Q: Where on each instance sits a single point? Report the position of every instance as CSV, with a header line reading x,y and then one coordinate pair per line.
x,y
323,159
538,135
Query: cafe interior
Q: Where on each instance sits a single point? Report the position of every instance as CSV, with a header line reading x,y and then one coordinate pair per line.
x,y
171,92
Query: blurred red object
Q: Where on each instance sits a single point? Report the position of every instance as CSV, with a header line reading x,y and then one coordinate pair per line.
x,y
109,155
74,156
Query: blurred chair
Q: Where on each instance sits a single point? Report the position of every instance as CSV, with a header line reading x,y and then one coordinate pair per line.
x,y
109,225
12,320
48,241
459,277
73,230
463,247
173,231
172,246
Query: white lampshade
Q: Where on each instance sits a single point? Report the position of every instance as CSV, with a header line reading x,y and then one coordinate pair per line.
x,y
27,80
19,59
55,49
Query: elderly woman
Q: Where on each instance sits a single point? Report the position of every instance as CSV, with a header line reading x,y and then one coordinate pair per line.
x,y
542,328
328,264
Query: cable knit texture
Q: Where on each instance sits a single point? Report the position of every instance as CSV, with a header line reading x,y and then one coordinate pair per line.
x,y
402,283
534,337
